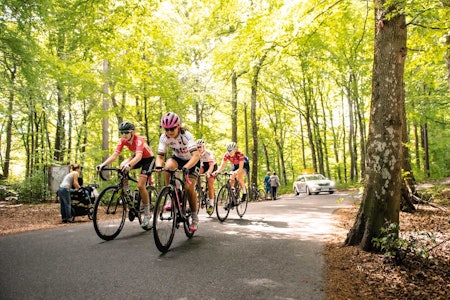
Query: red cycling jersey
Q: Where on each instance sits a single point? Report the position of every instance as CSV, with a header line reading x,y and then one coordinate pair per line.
x,y
137,145
234,159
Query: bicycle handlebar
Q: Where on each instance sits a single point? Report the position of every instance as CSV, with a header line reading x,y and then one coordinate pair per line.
x,y
120,172
186,176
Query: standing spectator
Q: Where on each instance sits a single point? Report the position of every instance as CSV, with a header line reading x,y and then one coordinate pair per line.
x,y
274,184
267,186
70,181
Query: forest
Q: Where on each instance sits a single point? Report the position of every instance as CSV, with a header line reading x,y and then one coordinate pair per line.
x,y
289,81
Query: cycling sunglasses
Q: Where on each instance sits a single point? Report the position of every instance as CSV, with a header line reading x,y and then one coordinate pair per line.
x,y
125,131
171,129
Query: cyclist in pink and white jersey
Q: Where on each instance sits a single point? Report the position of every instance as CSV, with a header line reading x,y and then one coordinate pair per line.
x,y
240,167
142,158
185,156
208,166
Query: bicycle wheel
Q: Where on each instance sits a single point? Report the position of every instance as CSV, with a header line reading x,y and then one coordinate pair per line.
x,y
223,204
186,212
241,208
109,213
164,220
200,194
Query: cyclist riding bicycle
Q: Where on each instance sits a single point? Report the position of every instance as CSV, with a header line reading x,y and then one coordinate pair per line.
x,y
207,166
185,156
240,167
142,158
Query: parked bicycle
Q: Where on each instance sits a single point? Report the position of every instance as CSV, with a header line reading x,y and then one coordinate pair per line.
x,y
114,201
228,198
202,196
171,209
255,193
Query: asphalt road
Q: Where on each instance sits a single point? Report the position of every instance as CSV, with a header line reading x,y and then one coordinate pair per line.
x,y
273,252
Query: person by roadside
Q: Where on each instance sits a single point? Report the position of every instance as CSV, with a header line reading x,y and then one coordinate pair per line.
x,y
70,181
274,184
267,187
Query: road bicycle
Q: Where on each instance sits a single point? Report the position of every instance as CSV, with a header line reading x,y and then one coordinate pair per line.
x,y
115,201
228,198
171,210
202,195
255,193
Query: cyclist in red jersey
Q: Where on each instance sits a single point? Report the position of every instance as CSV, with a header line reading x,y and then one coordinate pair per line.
x,y
240,167
142,158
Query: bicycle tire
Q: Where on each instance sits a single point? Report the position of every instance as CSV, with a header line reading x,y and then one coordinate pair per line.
x,y
241,208
109,214
164,221
223,203
186,213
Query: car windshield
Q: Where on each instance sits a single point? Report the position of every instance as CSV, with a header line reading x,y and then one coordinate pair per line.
x,y
315,177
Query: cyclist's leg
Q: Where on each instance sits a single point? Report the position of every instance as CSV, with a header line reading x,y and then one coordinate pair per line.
x,y
240,176
171,164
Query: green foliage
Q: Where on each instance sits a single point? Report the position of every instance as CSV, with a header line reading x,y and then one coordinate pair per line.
x,y
399,249
33,189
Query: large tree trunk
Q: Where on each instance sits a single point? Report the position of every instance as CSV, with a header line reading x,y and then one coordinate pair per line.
x,y
105,119
382,189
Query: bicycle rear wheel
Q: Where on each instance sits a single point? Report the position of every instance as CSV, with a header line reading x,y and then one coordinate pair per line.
x,y
241,208
223,204
164,219
109,213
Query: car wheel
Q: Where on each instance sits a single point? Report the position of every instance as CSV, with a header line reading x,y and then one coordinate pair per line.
x,y
308,191
296,192
331,192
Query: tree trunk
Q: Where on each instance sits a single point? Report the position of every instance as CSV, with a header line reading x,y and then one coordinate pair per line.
x,y
234,95
382,189
105,119
254,123
426,157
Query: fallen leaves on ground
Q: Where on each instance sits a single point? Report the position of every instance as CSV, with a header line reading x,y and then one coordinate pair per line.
x,y
355,274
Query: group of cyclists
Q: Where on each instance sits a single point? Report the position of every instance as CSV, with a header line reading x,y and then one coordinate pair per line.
x,y
189,155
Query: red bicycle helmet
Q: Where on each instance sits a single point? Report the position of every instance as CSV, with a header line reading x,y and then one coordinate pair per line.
x,y
170,120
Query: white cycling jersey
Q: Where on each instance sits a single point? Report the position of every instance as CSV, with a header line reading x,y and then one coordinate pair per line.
x,y
182,145
207,156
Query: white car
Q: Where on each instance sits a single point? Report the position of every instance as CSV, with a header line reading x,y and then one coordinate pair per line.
x,y
313,184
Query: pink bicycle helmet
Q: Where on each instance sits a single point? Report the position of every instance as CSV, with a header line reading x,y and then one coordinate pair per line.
x,y
170,120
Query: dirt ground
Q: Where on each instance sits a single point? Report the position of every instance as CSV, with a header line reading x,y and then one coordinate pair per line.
x,y
351,272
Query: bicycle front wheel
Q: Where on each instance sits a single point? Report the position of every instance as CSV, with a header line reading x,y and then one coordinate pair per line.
x,y
109,213
241,208
164,219
223,203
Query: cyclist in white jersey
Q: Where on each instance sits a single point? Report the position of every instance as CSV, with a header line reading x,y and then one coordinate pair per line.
x,y
185,157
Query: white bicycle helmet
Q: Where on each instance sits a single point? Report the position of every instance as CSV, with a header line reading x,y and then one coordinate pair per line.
x,y
231,146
